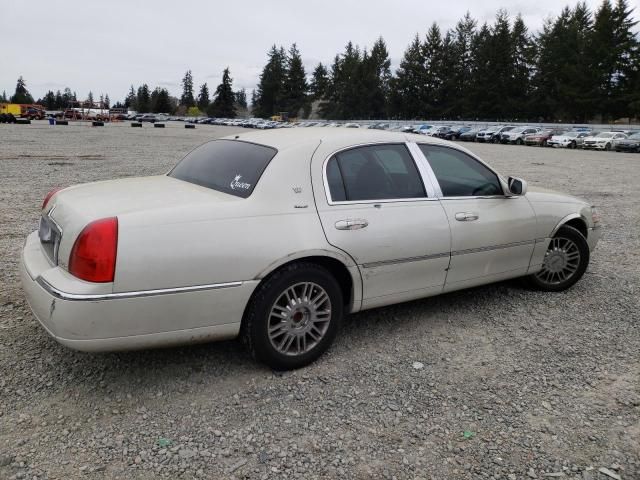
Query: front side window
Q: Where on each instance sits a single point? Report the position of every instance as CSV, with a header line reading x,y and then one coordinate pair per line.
x,y
376,172
229,166
460,175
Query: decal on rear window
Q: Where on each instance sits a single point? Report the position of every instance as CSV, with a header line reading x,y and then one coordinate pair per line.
x,y
229,166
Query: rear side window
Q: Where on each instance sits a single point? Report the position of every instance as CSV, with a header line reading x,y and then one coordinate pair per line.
x,y
229,166
376,172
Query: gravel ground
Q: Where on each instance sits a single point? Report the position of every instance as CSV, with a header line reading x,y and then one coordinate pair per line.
x,y
496,382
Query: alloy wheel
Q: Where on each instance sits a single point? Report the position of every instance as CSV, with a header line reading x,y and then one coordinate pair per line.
x,y
299,318
561,261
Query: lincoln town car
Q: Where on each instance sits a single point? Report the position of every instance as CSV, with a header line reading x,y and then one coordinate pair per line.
x,y
275,236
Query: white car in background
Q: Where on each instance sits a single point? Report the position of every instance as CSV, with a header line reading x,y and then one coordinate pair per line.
x,y
602,141
516,135
276,235
571,139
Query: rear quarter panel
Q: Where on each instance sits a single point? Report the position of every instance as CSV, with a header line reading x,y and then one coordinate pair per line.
x,y
233,241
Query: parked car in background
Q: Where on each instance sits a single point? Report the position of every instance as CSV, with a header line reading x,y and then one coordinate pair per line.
x,y
455,132
199,254
602,141
469,135
440,131
516,135
629,144
570,139
541,138
351,125
147,117
421,129
492,134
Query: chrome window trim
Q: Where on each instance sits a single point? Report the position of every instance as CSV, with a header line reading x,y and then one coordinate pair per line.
x,y
327,191
428,176
501,180
92,297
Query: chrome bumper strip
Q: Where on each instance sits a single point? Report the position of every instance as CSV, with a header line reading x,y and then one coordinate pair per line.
x,y
95,297
458,252
494,247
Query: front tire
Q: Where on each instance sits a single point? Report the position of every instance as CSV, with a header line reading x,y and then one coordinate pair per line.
x,y
293,316
565,261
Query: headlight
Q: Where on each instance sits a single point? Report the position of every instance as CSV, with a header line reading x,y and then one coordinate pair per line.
x,y
595,216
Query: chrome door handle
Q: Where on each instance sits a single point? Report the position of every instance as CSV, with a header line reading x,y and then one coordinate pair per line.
x,y
351,224
466,216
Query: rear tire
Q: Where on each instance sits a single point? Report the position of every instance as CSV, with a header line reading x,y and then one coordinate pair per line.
x,y
293,317
565,261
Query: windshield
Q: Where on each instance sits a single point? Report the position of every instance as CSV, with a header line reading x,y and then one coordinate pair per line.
x,y
635,136
605,135
229,166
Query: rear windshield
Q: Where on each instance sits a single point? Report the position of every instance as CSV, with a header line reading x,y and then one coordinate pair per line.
x,y
229,166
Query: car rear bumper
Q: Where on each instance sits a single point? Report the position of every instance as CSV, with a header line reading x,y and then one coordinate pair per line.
x,y
134,320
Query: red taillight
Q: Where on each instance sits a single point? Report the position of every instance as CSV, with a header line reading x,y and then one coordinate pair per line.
x,y
93,256
49,195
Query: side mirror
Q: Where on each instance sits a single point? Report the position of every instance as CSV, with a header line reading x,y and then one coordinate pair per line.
x,y
517,186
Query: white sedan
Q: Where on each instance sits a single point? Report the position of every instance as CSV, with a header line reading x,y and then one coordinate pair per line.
x,y
603,140
275,236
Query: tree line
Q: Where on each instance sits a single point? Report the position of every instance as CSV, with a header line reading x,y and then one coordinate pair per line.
x,y
225,101
582,65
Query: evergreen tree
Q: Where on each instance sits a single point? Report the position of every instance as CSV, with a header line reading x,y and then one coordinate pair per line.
x,y
432,72
48,101
203,98
90,99
627,60
131,101
270,92
241,98
143,99
160,102
481,74
461,77
522,57
295,83
319,82
59,103
254,98
21,94
377,77
407,99
3,97
107,101
448,66
187,98
223,105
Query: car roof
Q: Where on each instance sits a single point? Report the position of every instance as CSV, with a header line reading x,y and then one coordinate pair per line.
x,y
285,138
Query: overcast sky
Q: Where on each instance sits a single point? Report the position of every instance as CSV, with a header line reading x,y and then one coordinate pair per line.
x,y
105,46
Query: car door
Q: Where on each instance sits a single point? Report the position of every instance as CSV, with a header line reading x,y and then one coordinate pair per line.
x,y
374,205
492,234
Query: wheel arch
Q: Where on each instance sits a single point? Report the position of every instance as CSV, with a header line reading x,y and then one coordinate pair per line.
x,y
341,266
574,220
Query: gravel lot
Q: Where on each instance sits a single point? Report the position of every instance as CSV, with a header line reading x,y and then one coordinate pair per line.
x,y
510,383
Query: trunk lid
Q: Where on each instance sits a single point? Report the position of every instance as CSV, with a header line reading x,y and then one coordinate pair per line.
x,y
75,207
